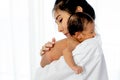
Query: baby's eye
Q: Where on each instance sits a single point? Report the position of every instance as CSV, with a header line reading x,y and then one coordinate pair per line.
x,y
92,32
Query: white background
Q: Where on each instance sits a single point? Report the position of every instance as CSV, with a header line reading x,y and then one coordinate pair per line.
x,y
25,25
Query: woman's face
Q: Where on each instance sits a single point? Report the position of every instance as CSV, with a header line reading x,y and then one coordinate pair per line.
x,y
61,18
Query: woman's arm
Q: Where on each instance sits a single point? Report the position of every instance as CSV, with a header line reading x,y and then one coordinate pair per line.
x,y
54,54
46,59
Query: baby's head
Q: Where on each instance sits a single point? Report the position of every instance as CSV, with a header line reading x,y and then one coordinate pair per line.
x,y
81,26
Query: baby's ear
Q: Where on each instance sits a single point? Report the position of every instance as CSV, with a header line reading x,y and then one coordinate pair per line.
x,y
78,35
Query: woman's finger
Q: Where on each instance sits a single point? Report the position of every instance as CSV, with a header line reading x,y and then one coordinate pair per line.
x,y
53,40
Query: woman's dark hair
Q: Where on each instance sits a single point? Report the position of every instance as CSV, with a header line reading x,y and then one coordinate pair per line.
x,y
77,22
71,5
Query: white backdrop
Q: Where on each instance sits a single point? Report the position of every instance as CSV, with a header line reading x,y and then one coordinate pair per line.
x,y
108,21
14,40
19,39
25,25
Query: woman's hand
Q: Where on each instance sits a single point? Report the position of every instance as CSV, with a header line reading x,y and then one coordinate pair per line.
x,y
47,47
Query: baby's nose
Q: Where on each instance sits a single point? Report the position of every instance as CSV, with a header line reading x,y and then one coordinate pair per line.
x,y
94,34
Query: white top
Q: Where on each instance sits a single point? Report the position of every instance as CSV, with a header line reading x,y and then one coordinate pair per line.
x,y
87,54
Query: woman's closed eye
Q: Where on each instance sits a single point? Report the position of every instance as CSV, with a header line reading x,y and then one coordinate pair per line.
x,y
60,20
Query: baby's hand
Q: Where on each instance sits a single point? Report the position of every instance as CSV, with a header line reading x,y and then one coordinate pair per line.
x,y
77,69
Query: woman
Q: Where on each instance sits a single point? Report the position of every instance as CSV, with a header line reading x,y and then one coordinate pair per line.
x,y
94,66
71,6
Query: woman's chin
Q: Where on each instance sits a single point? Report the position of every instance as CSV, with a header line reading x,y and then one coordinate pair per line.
x,y
67,35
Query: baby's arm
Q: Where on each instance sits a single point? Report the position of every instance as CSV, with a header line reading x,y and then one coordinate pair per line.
x,y
54,54
68,57
70,61
67,53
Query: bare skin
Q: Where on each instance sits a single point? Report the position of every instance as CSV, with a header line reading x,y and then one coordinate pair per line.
x,y
54,53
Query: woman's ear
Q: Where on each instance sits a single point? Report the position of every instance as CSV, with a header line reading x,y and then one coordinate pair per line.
x,y
79,9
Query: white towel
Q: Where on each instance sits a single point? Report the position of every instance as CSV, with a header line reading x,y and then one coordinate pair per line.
x,y
87,54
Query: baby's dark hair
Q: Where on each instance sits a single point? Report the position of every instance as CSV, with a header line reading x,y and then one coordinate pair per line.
x,y
77,22
71,5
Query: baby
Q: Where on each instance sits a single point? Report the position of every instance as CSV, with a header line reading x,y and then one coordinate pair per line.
x,y
81,27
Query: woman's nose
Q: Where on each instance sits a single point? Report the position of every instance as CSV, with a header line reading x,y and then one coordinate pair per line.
x,y
60,28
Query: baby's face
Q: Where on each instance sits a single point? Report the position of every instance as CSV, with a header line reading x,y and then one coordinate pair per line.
x,y
89,32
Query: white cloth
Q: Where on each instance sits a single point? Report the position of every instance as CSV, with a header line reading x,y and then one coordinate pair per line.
x,y
87,54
